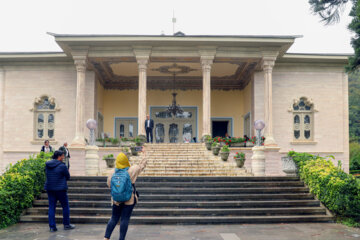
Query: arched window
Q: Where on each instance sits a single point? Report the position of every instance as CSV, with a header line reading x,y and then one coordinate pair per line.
x,y
303,117
44,118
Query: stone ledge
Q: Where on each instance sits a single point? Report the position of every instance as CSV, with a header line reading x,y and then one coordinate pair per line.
x,y
303,143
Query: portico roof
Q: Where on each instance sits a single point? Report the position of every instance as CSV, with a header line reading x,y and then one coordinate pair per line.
x,y
113,57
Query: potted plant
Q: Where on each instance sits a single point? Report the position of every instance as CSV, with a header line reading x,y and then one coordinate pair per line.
x,y
208,142
225,152
237,142
133,149
239,159
115,142
126,151
142,139
215,148
288,165
110,160
205,138
100,142
138,142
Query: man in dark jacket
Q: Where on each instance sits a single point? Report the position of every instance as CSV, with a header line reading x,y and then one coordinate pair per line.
x,y
149,125
57,175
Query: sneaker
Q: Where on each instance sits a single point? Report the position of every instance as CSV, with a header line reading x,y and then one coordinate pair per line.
x,y
69,227
53,229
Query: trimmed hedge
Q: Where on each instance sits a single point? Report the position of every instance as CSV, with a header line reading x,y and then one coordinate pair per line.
x,y
337,190
19,185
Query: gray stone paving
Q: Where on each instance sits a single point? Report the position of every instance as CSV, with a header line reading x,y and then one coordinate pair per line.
x,y
316,231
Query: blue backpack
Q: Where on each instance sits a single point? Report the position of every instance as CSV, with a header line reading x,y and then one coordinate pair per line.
x,y
121,186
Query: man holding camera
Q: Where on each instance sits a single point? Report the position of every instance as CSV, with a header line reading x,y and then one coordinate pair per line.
x,y
57,175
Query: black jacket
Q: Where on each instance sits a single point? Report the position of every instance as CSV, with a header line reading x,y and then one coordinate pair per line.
x,y
63,149
57,175
43,148
151,124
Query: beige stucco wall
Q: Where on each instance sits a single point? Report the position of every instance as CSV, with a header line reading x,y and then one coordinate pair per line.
x,y
327,86
227,104
22,85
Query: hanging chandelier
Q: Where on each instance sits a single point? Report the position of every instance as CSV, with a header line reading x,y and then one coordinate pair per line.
x,y
174,108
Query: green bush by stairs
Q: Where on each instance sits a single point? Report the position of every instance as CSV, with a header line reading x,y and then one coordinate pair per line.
x,y
337,190
19,185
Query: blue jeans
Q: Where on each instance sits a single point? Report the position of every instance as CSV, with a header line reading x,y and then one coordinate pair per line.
x,y
53,197
123,211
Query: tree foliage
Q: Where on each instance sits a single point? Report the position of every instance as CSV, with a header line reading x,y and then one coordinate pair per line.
x,y
354,106
330,11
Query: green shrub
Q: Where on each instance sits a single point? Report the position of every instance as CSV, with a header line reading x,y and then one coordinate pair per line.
x,y
337,190
19,185
108,156
225,148
354,156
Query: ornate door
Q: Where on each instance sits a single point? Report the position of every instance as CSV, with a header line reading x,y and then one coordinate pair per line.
x,y
174,129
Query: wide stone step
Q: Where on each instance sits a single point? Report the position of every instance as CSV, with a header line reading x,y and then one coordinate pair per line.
x,y
197,204
198,197
193,179
192,220
195,184
106,212
187,191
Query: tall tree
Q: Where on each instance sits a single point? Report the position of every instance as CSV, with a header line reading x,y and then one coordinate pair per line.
x,y
330,11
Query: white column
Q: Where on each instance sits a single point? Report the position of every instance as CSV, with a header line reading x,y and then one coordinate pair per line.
x,y
206,63
142,64
2,114
79,140
268,65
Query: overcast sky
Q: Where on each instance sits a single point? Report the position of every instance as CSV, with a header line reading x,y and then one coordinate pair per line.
x,y
24,23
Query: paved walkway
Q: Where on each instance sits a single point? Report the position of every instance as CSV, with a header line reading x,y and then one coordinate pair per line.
x,y
317,231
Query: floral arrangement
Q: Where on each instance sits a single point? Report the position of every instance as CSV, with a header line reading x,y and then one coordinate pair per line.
x,y
240,155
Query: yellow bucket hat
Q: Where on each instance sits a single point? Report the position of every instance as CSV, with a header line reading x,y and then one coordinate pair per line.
x,y
122,161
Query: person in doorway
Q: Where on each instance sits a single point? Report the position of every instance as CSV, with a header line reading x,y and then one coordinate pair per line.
x,y
65,150
46,148
149,125
227,136
57,176
126,199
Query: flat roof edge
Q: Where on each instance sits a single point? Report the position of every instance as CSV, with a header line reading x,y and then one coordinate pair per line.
x,y
167,36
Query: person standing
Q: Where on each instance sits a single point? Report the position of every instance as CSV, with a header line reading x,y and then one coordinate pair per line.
x,y
57,176
65,150
126,175
46,148
149,125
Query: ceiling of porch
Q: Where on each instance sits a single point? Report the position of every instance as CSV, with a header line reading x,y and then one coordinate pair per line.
x,y
122,72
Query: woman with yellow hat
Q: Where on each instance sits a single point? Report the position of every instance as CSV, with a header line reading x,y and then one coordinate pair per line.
x,y
123,210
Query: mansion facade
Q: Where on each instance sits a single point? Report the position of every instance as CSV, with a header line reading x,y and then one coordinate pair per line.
x,y
223,84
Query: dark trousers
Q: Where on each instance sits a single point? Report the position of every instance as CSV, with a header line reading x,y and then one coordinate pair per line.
x,y
149,133
124,212
53,197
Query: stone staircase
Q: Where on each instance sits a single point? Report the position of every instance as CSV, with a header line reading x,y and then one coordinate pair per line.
x,y
186,184
190,159
193,200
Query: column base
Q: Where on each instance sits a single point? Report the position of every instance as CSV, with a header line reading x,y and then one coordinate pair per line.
x,y
78,142
258,161
91,160
270,142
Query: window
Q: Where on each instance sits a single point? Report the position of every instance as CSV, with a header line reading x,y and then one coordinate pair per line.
x,y
303,117
125,127
44,118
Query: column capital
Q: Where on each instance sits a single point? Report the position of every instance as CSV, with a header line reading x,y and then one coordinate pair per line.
x,y
80,64
206,62
142,62
267,64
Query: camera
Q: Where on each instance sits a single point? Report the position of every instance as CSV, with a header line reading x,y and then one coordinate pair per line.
x,y
138,149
